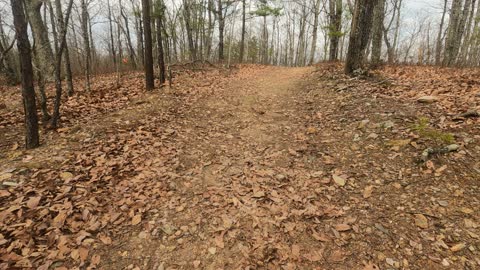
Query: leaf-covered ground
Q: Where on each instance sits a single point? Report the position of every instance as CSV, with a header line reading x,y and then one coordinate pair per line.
x,y
263,168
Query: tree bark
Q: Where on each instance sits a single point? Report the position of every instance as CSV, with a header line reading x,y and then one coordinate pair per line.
x,y
359,35
62,23
316,14
147,29
335,27
32,139
86,43
242,41
40,34
438,47
161,58
377,32
221,31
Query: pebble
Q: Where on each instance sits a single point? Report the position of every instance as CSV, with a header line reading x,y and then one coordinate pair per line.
x,y
427,99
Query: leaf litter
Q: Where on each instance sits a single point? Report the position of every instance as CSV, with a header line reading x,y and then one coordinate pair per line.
x,y
195,177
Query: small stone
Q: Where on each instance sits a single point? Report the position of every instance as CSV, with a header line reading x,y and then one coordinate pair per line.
x,y
427,99
280,177
445,262
372,136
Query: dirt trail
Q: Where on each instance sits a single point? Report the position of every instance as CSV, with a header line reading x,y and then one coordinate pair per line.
x,y
237,201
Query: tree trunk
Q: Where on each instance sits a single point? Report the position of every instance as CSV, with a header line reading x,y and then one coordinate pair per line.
x,y
377,32
40,34
242,42
62,23
359,35
86,43
188,27
438,47
66,53
451,42
315,31
335,27
129,40
32,139
221,31
147,29
161,61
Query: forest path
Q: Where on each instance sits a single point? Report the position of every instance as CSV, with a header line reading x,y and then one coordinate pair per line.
x,y
240,196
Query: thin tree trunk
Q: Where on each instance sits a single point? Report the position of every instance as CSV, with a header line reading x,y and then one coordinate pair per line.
x,y
86,44
221,31
438,47
32,138
149,79
161,61
315,31
377,32
62,23
335,27
242,42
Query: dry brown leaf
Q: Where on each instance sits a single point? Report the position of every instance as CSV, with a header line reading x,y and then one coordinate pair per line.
x,y
33,202
367,192
343,227
136,219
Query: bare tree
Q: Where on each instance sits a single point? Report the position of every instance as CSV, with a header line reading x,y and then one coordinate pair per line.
x,y
32,139
359,35
335,27
377,32
147,30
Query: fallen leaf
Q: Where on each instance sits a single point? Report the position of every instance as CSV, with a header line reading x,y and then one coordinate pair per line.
x,y
342,227
458,247
367,192
421,221
66,176
4,193
339,180
33,202
212,250
136,220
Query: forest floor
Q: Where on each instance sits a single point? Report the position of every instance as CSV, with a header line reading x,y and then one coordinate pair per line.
x,y
260,168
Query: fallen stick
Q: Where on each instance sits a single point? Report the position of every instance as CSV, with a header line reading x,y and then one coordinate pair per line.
x,y
427,153
468,114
